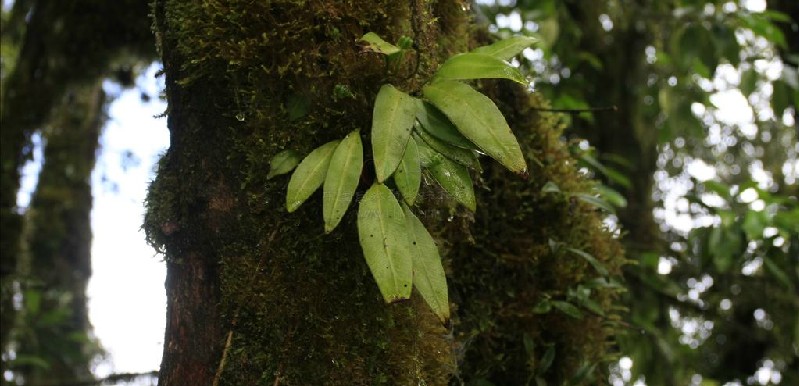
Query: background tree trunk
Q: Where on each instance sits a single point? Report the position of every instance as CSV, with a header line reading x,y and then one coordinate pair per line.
x,y
64,49
56,325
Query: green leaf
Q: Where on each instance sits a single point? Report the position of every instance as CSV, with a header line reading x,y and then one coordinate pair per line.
x,y
546,360
478,66
479,120
309,175
342,179
507,48
382,231
377,44
542,307
464,157
775,270
754,223
282,163
455,180
428,273
435,123
408,176
392,121
595,201
427,156
568,309
550,187
611,196
591,260
782,97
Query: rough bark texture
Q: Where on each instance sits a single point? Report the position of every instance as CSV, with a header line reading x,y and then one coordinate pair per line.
x,y
259,296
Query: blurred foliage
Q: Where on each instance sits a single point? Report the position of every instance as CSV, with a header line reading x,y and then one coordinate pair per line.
x,y
713,297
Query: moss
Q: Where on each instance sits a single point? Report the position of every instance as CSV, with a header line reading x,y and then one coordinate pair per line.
x,y
249,79
510,267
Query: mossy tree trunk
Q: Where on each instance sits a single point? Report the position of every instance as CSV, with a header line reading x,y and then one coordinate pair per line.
x,y
260,296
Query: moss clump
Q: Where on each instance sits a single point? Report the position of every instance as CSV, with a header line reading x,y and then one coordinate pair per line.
x,y
248,79
510,267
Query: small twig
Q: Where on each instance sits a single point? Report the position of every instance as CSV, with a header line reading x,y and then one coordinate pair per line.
x,y
218,375
578,111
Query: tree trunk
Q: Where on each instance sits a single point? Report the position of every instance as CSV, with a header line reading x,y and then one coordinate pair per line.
x,y
61,44
55,326
259,296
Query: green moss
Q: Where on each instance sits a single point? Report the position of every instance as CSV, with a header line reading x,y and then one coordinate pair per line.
x,y
509,268
249,79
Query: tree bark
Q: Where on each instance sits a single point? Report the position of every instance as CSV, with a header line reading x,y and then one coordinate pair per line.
x,y
259,296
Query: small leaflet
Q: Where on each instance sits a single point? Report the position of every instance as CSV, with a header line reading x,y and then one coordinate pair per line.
x,y
342,179
309,175
428,273
392,120
408,176
478,66
282,163
382,231
479,120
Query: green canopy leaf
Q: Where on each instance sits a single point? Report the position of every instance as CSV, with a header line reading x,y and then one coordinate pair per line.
x,y
506,49
479,120
428,273
342,179
309,175
282,163
408,176
392,121
382,231
478,66
455,180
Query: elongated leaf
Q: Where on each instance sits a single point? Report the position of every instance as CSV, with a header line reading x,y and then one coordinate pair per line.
x,y
568,309
377,44
507,48
591,260
595,201
439,126
427,156
282,163
464,157
478,66
428,273
382,231
342,179
479,120
392,121
408,176
309,175
455,180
